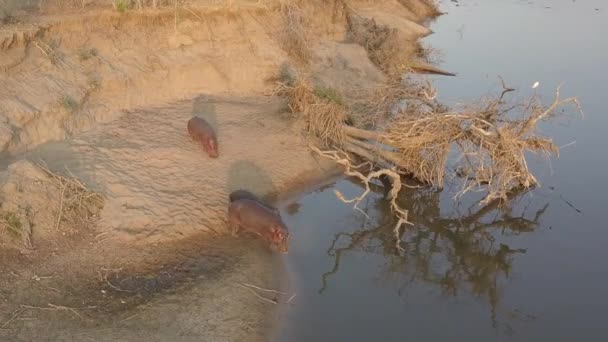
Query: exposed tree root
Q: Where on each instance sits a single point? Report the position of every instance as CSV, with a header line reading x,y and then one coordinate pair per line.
x,y
342,159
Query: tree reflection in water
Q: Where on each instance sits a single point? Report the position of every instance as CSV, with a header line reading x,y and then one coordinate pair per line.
x,y
455,253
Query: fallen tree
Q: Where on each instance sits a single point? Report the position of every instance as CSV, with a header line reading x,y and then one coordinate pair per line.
x,y
402,131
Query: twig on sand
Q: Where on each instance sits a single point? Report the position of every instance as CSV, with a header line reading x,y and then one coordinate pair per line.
x,y
16,314
49,52
273,301
60,214
57,307
261,288
104,277
92,331
128,318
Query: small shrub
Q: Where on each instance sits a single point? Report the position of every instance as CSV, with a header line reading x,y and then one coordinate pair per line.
x,y
329,94
122,5
69,103
94,83
87,53
287,75
295,37
12,223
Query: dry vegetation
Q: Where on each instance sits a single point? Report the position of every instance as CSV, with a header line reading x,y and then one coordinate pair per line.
x,y
415,138
78,205
400,129
294,37
49,203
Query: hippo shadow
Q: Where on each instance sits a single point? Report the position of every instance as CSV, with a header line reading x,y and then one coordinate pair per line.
x,y
246,175
203,107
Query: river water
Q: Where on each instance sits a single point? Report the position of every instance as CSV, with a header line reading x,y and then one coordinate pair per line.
x,y
535,271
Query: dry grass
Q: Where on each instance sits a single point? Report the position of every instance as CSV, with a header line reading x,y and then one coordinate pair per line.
x,y
319,110
50,52
372,109
294,36
491,140
78,205
76,209
11,223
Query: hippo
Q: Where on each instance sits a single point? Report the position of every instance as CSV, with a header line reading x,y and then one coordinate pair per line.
x,y
252,216
202,132
245,194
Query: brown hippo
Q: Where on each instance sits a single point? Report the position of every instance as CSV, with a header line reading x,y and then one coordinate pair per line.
x,y
245,194
252,216
202,132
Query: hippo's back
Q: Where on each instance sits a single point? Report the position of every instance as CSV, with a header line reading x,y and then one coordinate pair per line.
x,y
248,195
253,213
243,194
198,127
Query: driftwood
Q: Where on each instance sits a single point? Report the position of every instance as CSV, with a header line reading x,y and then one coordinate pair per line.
x,y
410,133
429,69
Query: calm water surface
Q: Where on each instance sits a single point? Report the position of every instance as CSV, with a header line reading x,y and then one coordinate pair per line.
x,y
536,271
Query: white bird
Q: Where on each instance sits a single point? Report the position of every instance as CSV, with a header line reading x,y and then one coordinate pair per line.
x,y
535,85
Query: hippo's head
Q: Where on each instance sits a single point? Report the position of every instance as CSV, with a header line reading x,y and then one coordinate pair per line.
x,y
279,236
212,148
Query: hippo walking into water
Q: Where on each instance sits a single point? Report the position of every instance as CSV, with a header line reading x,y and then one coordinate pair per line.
x,y
252,216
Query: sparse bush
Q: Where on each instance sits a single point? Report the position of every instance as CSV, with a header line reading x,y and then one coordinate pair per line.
x,y
122,5
87,53
295,37
94,83
287,74
329,94
10,221
321,116
69,103
78,204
